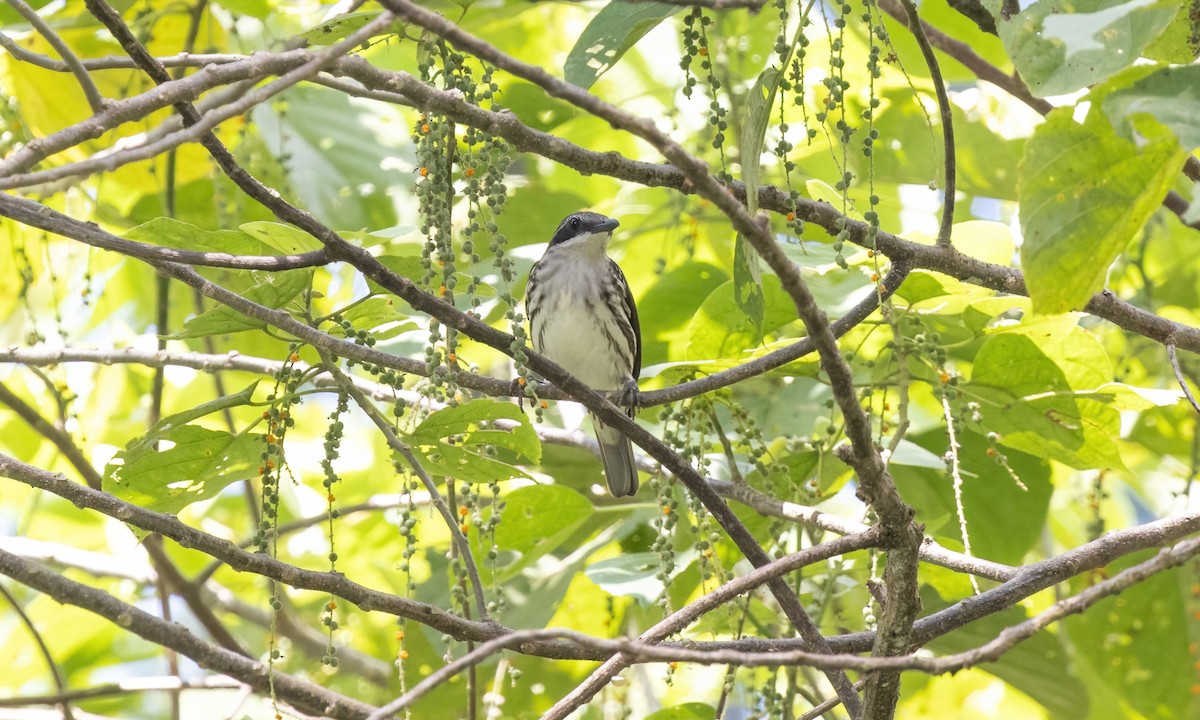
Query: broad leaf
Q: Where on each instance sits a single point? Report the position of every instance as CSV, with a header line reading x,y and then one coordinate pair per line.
x,y
286,239
634,574
343,26
538,517
457,442
721,329
1035,391
273,290
168,232
747,282
1085,192
1170,96
616,28
1134,645
1060,46
1038,667
176,464
467,420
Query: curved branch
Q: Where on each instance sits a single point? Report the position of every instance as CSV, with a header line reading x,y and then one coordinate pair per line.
x,y
95,100
307,696
39,216
943,100
400,447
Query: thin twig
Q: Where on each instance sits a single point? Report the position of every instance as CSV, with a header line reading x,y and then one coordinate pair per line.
x,y
63,702
946,111
666,627
1187,391
395,443
1030,580
95,100
301,693
956,482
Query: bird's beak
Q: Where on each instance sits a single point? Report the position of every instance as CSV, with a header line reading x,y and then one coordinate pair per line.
x,y
607,226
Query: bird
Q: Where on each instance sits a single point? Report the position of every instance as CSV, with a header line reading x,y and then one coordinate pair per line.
x,y
583,318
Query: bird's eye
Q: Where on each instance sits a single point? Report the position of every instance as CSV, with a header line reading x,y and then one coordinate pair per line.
x,y
574,223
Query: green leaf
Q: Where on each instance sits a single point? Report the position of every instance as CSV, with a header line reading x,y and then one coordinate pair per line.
x,y
168,232
1135,645
1170,96
634,574
171,422
198,465
460,463
1038,667
1085,192
342,158
378,315
1026,382
686,711
343,26
286,239
721,329
273,290
754,131
669,305
1060,46
1000,536
616,28
747,282
454,442
1180,42
466,419
538,518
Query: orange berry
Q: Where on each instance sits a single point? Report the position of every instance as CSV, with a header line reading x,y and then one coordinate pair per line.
x,y
791,216
870,253
944,377
272,439
666,510
544,404
521,381
284,414
330,497
331,605
708,553
403,654
262,470
991,452
399,634
703,52
266,415
270,464
469,172
294,357
464,527
452,357
874,277
425,127
424,172
442,291
463,510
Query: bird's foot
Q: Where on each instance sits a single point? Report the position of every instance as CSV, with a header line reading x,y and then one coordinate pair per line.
x,y
630,397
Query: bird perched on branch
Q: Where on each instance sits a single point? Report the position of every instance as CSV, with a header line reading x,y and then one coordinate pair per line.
x,y
582,317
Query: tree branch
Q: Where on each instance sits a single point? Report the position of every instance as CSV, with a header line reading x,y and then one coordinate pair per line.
x,y
303,694
944,108
95,100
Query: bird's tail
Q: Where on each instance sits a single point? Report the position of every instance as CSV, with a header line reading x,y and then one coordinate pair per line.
x,y
617,453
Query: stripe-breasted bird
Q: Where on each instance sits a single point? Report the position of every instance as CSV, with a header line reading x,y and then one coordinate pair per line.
x,y
582,317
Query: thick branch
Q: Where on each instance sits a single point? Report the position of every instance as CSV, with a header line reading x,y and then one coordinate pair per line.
x,y
304,695
39,216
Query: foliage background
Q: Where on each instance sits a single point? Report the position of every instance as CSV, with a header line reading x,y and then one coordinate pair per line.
x,y
1068,426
